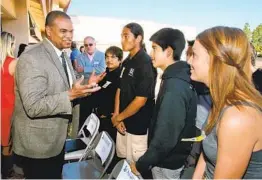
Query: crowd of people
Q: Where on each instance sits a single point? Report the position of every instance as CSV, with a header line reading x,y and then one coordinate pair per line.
x,y
205,114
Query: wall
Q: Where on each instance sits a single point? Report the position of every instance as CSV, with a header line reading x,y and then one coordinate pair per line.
x,y
9,6
19,27
107,31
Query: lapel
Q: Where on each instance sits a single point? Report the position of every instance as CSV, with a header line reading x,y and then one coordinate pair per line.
x,y
50,50
95,56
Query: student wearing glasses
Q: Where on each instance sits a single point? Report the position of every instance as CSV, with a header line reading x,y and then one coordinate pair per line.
x,y
91,60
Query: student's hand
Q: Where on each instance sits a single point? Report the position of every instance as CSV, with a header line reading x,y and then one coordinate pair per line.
x,y
121,128
96,78
116,119
113,118
133,168
78,90
102,116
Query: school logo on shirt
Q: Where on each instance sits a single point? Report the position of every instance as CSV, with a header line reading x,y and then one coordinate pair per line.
x,y
131,72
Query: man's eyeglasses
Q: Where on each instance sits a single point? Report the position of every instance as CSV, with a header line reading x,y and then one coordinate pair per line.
x,y
86,45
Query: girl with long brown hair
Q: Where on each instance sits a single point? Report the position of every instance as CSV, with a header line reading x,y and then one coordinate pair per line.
x,y
233,144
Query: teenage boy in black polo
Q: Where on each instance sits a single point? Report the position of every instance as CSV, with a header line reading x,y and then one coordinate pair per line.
x,y
105,98
175,111
134,98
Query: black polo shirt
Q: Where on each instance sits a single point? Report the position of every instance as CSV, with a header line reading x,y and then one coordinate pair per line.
x,y
105,98
137,79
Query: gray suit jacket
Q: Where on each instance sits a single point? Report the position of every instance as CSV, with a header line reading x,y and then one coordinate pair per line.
x,y
42,105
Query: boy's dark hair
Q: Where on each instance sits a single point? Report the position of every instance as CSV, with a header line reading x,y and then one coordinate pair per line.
x,y
137,30
189,51
51,17
191,43
114,50
169,37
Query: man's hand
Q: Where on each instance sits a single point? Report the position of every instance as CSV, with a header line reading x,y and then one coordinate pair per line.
x,y
79,90
79,69
121,128
96,78
133,169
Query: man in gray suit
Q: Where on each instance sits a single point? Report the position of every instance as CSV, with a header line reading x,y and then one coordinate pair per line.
x,y
46,101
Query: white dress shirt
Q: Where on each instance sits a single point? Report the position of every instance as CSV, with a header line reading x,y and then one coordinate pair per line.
x,y
59,53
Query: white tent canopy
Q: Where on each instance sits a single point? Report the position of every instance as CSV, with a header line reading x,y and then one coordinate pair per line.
x,y
107,31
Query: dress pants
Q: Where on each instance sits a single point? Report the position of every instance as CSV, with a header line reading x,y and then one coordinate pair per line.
x,y
106,125
49,168
86,108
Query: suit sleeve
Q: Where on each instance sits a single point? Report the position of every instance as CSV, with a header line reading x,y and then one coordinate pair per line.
x,y
169,125
32,84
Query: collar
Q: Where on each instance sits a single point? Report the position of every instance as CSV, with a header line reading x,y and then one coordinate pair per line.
x,y
115,70
91,55
179,69
141,51
58,52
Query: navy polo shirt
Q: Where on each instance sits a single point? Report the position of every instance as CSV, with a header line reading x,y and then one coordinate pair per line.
x,y
137,78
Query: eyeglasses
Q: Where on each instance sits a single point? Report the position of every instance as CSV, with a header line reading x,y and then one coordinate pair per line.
x,y
86,45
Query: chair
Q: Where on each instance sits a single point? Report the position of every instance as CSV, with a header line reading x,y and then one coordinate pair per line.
x,y
100,155
122,170
75,148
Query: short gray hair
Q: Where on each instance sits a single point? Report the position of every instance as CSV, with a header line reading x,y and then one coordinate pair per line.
x,y
89,37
